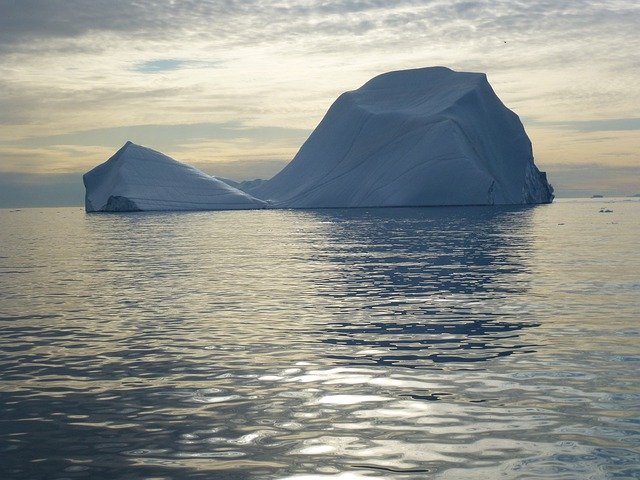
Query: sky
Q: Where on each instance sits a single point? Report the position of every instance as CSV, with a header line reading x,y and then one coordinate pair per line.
x,y
235,87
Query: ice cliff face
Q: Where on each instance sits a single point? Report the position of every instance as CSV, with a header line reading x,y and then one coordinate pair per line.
x,y
138,178
429,136
421,137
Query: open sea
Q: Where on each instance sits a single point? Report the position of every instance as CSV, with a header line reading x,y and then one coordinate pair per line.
x,y
413,343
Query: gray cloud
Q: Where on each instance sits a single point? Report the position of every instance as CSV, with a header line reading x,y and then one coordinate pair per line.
x,y
589,179
251,20
34,19
33,190
167,136
245,169
556,33
45,104
606,125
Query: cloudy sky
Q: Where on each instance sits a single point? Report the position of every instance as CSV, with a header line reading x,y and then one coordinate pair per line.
x,y
235,87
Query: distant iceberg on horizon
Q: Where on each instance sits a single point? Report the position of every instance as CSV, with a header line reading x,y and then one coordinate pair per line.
x,y
423,137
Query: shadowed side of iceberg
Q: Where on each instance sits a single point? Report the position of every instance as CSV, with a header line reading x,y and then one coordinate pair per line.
x,y
137,178
420,137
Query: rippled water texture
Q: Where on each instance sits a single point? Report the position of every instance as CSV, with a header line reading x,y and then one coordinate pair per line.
x,y
457,343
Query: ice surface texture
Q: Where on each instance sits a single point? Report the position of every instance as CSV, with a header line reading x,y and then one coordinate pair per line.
x,y
421,137
429,136
138,178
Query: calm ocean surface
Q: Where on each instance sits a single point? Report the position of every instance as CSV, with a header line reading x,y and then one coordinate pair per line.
x,y
446,343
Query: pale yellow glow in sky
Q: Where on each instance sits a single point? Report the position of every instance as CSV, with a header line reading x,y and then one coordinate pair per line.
x,y
248,81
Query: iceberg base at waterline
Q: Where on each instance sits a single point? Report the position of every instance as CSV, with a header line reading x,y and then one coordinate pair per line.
x,y
422,137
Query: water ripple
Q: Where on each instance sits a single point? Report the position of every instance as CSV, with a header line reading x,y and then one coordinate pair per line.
x,y
338,344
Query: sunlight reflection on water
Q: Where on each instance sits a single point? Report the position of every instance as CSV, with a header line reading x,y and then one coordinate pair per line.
x,y
339,344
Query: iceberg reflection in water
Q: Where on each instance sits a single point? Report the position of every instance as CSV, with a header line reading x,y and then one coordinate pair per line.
x,y
430,285
339,344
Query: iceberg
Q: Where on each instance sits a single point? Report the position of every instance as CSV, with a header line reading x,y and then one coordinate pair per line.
x,y
137,178
421,137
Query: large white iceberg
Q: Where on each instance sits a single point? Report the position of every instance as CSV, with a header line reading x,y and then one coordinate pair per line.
x,y
138,178
421,137
428,136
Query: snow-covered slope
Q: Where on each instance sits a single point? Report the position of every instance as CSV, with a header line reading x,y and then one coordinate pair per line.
x,y
138,178
428,136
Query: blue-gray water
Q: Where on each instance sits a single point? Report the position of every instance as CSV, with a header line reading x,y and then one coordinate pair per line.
x,y
457,343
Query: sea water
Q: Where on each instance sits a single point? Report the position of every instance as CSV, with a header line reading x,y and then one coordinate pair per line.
x,y
453,343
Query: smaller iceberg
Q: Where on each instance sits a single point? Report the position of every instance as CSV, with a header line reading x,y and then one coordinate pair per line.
x,y
137,178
